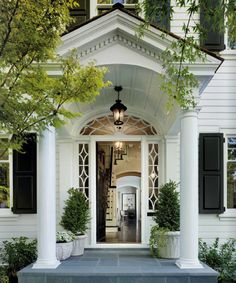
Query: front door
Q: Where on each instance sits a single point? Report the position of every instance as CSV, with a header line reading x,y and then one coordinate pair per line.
x,y
101,204
118,192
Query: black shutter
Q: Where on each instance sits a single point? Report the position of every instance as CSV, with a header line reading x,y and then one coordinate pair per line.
x,y
211,173
213,39
24,177
80,14
154,15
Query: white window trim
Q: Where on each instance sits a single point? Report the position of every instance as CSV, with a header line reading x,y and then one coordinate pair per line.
x,y
226,42
94,6
5,213
230,213
227,47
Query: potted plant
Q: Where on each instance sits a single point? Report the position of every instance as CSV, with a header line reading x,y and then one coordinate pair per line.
x,y
64,245
221,258
75,218
164,238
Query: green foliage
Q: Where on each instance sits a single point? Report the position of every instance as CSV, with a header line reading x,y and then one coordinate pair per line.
x,y
76,216
3,275
167,214
5,195
30,99
18,253
64,236
167,217
157,240
178,83
220,257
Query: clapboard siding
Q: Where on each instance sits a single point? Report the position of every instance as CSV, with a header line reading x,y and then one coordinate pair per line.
x,y
217,103
218,112
210,227
23,225
180,16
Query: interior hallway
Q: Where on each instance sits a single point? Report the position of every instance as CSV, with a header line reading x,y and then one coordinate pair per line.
x,y
129,231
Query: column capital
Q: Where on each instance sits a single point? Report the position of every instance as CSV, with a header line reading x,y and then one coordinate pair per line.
x,y
193,112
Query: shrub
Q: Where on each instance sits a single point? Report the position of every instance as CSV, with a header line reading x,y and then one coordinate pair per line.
x,y
220,257
18,253
75,217
3,275
167,214
167,217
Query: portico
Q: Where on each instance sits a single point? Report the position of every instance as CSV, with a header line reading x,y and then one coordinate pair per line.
x,y
111,41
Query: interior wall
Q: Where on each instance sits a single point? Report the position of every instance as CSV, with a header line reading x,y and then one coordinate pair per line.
x,y
130,184
128,190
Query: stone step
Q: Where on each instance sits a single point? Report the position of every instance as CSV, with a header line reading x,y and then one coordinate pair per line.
x,y
117,266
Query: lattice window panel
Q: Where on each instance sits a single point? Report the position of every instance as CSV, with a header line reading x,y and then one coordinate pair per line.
x,y
105,126
84,169
153,176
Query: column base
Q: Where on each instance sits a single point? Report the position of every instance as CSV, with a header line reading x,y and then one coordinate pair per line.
x,y
190,264
46,264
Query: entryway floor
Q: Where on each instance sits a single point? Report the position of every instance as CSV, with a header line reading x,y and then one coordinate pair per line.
x,y
117,266
129,232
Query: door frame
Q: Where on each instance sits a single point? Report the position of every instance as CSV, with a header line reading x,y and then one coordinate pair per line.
x,y
144,184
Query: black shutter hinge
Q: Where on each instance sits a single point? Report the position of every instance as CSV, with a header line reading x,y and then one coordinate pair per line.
x,y
223,140
224,208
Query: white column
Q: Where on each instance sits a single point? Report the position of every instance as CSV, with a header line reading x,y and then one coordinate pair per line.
x,y
189,191
47,201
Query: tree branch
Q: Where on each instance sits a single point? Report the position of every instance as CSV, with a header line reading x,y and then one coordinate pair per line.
x,y
5,40
183,47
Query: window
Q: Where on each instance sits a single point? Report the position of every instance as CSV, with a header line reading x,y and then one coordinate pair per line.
x,y
4,178
231,172
231,40
153,176
105,5
231,21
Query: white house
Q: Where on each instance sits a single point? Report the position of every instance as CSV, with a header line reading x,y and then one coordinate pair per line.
x,y
194,147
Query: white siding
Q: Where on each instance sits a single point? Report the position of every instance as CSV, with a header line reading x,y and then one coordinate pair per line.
x,y
181,16
23,225
218,114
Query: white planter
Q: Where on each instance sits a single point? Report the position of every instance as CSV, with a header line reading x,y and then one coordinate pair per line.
x,y
172,247
63,250
78,245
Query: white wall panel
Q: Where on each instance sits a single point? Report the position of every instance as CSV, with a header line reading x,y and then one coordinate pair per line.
x,y
218,112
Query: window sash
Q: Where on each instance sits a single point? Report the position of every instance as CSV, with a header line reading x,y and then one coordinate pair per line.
x,y
231,172
5,183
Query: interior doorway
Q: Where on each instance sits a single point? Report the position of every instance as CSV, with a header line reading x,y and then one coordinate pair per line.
x,y
118,192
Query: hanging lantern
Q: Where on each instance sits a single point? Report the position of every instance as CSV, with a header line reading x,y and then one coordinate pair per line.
x,y
118,108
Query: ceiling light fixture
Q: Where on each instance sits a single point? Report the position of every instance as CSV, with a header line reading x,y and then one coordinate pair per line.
x,y
118,108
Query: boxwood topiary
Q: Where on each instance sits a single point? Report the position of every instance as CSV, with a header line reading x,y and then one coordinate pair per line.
x,y
75,217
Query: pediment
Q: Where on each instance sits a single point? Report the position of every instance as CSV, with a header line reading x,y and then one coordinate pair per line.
x,y
120,28
111,40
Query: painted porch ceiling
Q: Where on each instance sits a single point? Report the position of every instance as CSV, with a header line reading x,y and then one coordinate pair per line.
x,y
110,40
141,94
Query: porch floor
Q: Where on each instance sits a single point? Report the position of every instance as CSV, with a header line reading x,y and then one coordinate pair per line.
x,y
117,266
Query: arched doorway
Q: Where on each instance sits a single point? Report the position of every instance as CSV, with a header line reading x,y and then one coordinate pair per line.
x,y
110,171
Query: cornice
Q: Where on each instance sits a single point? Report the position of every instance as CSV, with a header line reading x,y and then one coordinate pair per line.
x,y
121,39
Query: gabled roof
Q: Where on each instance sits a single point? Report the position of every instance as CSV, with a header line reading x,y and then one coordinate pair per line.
x,y
110,40
119,6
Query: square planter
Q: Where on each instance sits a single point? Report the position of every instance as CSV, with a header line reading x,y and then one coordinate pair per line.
x,y
64,250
